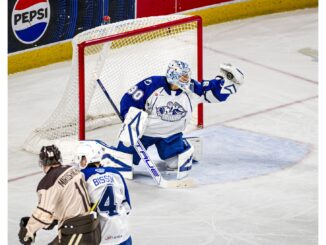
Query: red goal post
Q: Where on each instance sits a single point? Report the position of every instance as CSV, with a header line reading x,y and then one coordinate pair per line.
x,y
88,43
120,55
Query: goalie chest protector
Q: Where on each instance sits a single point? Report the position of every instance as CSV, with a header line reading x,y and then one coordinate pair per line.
x,y
168,111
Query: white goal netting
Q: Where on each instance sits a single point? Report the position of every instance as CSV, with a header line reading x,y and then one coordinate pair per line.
x,y
119,64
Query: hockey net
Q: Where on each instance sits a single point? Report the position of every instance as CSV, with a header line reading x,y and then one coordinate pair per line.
x,y
120,55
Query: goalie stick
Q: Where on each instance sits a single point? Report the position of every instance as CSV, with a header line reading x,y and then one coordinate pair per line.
x,y
141,151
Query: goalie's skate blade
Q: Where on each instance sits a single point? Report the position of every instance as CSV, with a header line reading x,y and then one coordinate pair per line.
x,y
184,183
144,178
169,178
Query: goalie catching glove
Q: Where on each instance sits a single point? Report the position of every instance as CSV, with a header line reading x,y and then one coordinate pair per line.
x,y
133,126
233,78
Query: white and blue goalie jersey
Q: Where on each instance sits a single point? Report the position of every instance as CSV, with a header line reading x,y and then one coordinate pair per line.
x,y
106,186
169,111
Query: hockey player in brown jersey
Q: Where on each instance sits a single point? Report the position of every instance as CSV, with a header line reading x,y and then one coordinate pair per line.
x,y
62,200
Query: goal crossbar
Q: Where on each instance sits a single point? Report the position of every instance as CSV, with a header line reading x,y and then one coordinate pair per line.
x,y
85,44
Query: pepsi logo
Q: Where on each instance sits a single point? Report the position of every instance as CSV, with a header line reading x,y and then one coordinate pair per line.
x,y
30,19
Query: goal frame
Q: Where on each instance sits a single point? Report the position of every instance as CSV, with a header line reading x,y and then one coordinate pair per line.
x,y
81,63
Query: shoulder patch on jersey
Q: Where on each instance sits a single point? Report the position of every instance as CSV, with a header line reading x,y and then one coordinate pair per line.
x,y
172,112
100,170
148,81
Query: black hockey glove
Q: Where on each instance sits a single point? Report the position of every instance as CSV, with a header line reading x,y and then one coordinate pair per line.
x,y
23,231
23,222
53,224
23,238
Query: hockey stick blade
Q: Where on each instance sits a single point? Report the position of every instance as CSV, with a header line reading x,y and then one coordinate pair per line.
x,y
182,183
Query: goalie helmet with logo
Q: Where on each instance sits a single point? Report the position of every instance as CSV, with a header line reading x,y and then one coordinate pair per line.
x,y
179,74
50,155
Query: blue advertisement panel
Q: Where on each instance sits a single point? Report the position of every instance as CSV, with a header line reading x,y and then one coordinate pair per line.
x,y
33,23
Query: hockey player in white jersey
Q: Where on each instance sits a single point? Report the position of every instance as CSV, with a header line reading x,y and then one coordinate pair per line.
x,y
158,109
107,189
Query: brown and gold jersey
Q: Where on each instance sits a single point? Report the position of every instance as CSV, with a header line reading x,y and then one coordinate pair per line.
x,y
62,195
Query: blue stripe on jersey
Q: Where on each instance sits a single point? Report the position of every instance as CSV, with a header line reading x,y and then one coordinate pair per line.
x,y
138,95
147,86
124,167
89,171
214,85
198,87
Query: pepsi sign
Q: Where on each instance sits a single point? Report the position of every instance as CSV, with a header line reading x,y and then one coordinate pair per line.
x,y
30,19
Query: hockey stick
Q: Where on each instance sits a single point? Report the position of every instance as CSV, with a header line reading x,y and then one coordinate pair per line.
x,y
94,206
141,151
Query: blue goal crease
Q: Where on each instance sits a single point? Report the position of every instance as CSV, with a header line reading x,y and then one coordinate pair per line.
x,y
232,154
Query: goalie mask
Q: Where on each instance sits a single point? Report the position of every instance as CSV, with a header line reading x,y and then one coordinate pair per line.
x,y
50,155
179,74
88,152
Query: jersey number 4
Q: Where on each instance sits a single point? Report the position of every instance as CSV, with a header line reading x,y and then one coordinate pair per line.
x,y
107,203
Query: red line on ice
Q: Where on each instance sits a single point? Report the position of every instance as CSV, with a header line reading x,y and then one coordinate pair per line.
x,y
24,176
270,109
262,65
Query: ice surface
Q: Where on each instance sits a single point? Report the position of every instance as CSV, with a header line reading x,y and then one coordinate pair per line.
x,y
231,154
261,189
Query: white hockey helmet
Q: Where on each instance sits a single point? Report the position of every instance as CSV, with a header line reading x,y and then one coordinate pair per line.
x,y
179,74
91,151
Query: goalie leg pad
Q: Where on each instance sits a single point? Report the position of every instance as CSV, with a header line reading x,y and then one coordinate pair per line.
x,y
185,162
133,126
118,160
145,140
197,143
182,162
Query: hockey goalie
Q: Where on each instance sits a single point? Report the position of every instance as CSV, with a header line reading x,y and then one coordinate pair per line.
x,y
157,110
